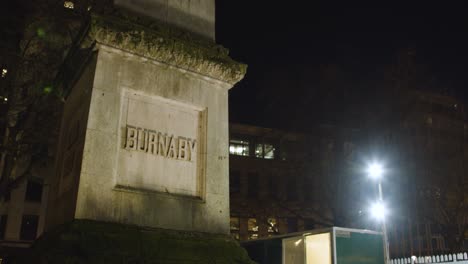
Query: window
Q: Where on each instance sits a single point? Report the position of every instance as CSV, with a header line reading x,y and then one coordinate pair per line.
x,y
252,188
269,152
272,186
234,181
259,150
235,226
265,151
69,4
239,147
292,190
33,191
272,226
434,243
235,223
424,244
29,227
252,227
3,222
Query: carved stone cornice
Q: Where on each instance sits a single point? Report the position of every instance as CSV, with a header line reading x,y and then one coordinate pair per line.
x,y
166,45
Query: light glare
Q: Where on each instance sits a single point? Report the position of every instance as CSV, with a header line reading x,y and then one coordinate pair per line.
x,y
375,170
297,242
378,211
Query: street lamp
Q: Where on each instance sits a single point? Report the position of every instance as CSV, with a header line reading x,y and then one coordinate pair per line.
x,y
375,171
378,211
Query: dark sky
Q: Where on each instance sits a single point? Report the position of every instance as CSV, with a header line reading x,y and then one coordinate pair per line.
x,y
291,46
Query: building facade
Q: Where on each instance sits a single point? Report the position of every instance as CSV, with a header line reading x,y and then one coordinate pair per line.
x,y
430,143
283,182
22,214
276,183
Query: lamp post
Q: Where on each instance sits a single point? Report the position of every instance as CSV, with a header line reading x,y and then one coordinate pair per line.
x,y
375,171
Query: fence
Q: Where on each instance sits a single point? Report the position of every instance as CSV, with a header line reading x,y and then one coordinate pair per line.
x,y
460,258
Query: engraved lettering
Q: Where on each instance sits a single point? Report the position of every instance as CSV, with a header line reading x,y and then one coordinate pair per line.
x,y
172,153
182,149
142,139
157,143
192,145
163,144
131,142
153,142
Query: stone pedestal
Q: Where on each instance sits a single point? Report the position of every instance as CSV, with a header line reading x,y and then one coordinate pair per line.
x,y
144,138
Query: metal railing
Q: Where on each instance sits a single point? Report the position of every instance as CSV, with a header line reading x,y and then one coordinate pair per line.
x,y
460,258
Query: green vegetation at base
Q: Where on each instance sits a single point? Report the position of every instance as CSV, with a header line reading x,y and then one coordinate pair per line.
x,y
84,241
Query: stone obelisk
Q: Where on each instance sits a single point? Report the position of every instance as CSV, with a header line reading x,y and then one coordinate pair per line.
x,y
142,164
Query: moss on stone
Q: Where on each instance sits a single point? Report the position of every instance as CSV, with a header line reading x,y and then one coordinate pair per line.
x,y
84,241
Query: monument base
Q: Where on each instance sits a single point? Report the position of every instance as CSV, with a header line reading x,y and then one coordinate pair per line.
x,y
85,241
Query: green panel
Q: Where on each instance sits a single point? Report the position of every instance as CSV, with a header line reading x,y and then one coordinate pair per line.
x,y
359,248
268,251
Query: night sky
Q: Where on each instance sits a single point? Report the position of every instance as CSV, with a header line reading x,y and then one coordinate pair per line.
x,y
299,53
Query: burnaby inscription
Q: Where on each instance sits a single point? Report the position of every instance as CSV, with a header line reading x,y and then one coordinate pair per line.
x,y
160,144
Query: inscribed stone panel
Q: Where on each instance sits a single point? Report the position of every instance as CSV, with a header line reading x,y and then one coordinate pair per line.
x,y
161,145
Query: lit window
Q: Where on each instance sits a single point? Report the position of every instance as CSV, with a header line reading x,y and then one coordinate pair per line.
x,y
239,147
4,72
265,151
259,150
272,225
269,152
69,4
235,227
252,227
234,223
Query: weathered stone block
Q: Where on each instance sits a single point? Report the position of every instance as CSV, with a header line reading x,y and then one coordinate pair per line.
x,y
152,146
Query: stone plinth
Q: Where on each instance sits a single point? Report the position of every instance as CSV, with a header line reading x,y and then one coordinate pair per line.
x,y
144,135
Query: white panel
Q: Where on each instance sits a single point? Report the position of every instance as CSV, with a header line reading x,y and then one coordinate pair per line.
x,y
293,250
318,249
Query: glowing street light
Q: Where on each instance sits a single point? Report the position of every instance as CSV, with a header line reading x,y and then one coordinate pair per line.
x,y
376,171
378,211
